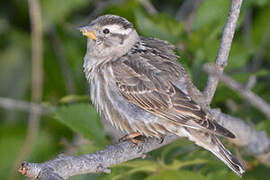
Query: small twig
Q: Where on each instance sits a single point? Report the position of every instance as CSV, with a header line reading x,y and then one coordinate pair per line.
x,y
224,48
231,105
247,27
37,80
264,44
148,6
251,82
100,6
251,97
19,105
186,12
185,9
62,59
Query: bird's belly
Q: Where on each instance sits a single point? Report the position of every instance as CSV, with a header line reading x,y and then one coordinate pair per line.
x,y
123,114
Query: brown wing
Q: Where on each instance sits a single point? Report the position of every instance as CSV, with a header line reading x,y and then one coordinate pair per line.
x,y
146,78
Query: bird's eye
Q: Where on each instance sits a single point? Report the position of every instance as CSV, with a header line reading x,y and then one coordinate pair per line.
x,y
106,31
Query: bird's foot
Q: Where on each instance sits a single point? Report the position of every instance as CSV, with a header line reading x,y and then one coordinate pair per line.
x,y
135,138
161,140
131,137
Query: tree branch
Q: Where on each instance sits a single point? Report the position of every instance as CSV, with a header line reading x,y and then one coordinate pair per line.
x,y
67,166
224,49
243,91
255,143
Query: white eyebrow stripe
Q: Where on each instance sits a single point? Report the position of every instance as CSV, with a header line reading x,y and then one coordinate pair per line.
x,y
114,28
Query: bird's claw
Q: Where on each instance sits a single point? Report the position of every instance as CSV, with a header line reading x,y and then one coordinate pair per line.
x,y
131,137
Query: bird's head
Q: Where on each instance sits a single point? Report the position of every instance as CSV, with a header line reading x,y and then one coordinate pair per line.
x,y
109,35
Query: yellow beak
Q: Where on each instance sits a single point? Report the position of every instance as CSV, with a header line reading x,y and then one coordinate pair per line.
x,y
88,33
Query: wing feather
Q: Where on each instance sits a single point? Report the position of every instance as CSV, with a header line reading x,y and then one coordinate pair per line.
x,y
146,78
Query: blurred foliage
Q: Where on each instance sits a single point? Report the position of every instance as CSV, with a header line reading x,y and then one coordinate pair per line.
x,y
197,39
77,117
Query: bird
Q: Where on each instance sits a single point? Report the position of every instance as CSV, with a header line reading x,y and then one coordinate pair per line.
x,y
138,85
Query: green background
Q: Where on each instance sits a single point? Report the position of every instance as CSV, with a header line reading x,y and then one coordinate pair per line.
x,y
75,127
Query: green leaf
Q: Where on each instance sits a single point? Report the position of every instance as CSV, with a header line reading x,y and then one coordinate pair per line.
x,y
125,9
83,119
57,11
176,164
148,166
73,98
239,55
259,2
11,140
159,26
12,137
211,11
260,28
141,165
222,175
264,126
176,175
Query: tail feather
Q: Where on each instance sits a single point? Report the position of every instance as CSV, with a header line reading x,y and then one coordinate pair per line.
x,y
223,154
210,142
223,131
